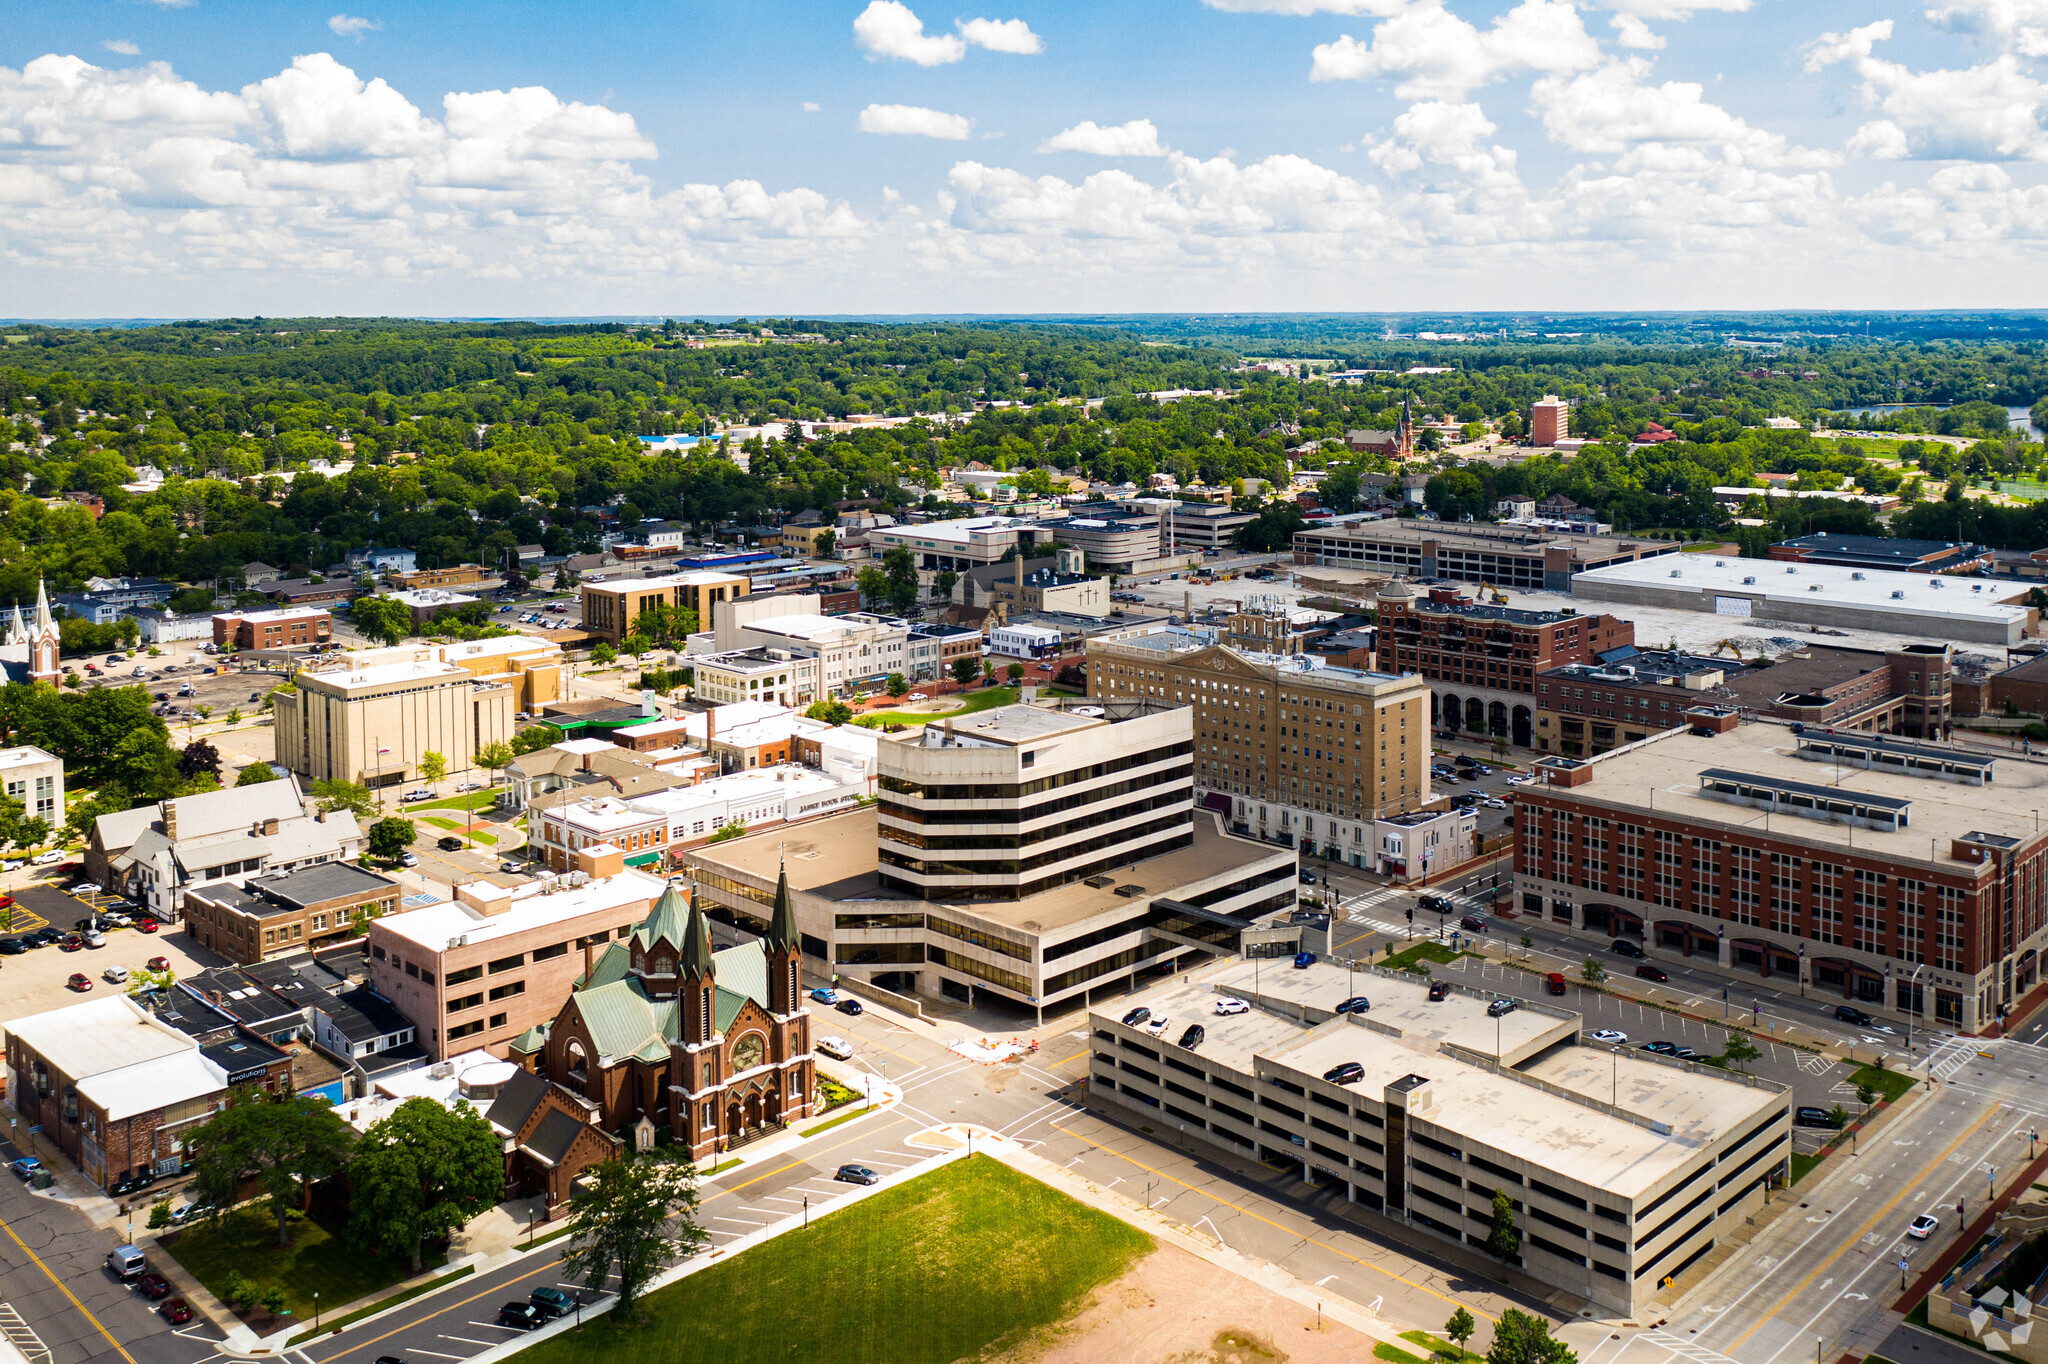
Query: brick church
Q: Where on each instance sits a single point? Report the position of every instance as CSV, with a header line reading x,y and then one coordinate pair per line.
x,y
716,1049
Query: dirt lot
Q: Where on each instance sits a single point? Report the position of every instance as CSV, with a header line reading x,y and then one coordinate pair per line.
x,y
1175,1308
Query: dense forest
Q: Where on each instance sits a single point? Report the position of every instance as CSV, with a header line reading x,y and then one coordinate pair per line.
x,y
463,439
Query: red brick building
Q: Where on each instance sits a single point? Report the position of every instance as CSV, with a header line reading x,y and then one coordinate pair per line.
x,y
279,629
1482,661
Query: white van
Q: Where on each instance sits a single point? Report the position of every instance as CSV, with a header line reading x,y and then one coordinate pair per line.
x,y
126,1262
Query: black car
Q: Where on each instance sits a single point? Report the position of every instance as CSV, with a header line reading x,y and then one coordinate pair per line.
x,y
1656,973
850,1007
1849,1013
1439,989
1138,1017
856,1174
449,844
1433,902
1684,1054
1659,1048
46,935
1808,1116
13,947
552,1301
523,1316
1622,947
1500,1007
1194,1036
1350,1073
1358,1004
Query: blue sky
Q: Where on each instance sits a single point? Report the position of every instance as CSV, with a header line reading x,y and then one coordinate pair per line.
x,y
214,156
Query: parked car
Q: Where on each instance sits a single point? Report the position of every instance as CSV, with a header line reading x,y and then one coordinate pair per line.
x,y
1439,990
1346,1073
1156,1025
1923,1226
115,975
825,994
147,926
159,963
1807,1115
1684,1054
48,859
176,1311
12,947
126,1262
856,1174
834,1047
1849,1013
850,1006
408,860
154,1286
1622,947
95,939
1612,1037
1304,960
1230,1004
1656,973
418,793
1494,803
190,1213
25,1168
1659,1048
1554,983
552,1301
1193,1036
522,1316
448,843
1501,1007
1357,1004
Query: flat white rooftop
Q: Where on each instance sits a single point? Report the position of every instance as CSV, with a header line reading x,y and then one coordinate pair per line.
x,y
1921,597
384,675
532,907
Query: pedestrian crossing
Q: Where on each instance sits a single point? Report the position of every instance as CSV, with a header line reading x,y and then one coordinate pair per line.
x,y
1952,1055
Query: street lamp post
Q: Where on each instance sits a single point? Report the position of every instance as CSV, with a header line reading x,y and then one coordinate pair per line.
x,y
316,1309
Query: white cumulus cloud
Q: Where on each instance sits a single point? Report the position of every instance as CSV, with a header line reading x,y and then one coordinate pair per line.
x,y
1433,54
889,28
2019,24
352,26
1614,109
1678,9
909,120
1631,31
1375,9
1136,138
1991,112
124,46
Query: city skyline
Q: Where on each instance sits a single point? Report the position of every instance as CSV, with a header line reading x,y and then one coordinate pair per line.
x,y
203,157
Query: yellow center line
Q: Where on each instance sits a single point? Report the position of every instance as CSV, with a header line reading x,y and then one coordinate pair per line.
x,y
82,1310
421,1321
1864,1230
1291,1231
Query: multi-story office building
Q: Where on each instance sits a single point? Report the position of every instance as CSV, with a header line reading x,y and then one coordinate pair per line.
x,y
481,969
1907,879
1549,421
36,779
300,911
958,546
286,628
1032,853
1616,1187
1286,746
1200,527
372,724
1481,661
1112,538
611,607
773,675
1522,558
845,651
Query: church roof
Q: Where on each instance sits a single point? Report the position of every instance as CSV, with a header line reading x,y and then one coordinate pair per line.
x,y
696,961
668,921
625,1022
782,933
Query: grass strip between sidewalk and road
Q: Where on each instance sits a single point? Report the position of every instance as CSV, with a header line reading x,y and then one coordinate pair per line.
x,y
327,1326
831,1123
1005,1256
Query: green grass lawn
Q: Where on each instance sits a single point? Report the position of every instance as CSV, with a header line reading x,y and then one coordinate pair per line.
x,y
318,1259
1802,1166
981,699
1889,1084
475,800
961,1263
1410,957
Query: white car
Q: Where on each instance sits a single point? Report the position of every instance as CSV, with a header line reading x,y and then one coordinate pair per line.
x,y
1156,1024
12,866
1611,1036
919,696
1230,1004
1494,803
1924,1226
421,794
95,938
834,1047
115,975
48,859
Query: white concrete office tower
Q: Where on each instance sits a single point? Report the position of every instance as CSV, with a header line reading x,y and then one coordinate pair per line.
x,y
1018,800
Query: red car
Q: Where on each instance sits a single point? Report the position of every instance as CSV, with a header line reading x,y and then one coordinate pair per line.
x,y
159,963
154,1286
72,943
147,926
80,983
176,1312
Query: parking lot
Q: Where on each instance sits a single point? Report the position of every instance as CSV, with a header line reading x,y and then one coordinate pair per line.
x,y
36,980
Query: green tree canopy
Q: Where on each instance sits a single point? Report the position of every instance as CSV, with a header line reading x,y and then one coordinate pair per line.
x,y
287,1142
422,1172
632,1216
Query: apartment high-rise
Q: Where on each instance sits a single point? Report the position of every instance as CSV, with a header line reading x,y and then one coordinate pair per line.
x,y
1286,746
1549,420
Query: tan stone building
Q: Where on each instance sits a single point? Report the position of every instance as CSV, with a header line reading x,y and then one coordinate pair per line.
x,y
1286,747
611,607
371,724
462,575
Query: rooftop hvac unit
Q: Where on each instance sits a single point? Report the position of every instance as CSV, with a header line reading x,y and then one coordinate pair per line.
x,y
1749,581
1676,574
1791,568
1814,587
1856,577
1720,563
1899,594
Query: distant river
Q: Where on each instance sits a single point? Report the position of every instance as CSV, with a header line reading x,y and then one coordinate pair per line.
x,y
2019,417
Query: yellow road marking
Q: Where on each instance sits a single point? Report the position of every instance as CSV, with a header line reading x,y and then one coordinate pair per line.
x,y
69,1294
1864,1230
1247,1212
